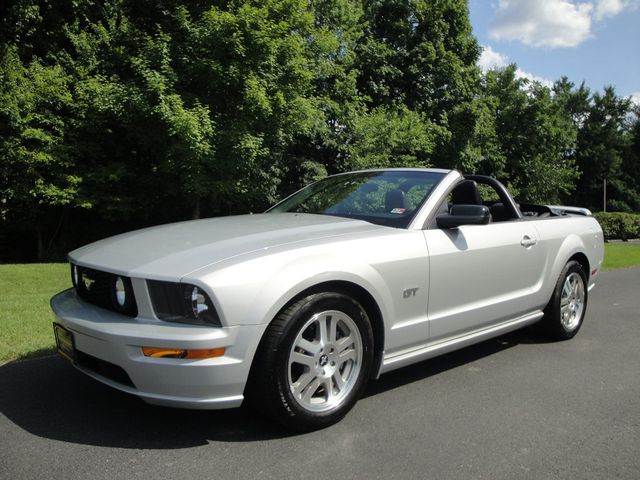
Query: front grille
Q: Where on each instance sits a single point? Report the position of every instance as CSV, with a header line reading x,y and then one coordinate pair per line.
x,y
103,368
97,287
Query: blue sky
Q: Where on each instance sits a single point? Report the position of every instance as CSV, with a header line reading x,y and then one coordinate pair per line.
x,y
595,41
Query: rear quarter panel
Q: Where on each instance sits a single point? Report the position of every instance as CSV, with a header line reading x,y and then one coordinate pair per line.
x,y
565,237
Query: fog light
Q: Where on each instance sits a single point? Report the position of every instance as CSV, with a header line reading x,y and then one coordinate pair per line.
x,y
159,352
121,292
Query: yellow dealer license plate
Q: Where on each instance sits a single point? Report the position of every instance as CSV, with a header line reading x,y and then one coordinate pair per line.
x,y
64,342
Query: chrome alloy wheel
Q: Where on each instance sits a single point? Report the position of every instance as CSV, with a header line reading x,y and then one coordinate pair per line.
x,y
572,301
324,361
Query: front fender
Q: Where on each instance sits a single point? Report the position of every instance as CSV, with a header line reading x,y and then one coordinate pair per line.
x,y
251,290
254,291
298,276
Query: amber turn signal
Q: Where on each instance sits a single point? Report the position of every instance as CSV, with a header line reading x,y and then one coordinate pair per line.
x,y
157,352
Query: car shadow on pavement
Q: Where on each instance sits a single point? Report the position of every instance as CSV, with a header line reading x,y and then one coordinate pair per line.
x,y
48,398
434,366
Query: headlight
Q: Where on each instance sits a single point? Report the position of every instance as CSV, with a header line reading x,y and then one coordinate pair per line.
x,y
199,303
183,303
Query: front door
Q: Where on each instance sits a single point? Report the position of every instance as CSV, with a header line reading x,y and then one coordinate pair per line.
x,y
482,275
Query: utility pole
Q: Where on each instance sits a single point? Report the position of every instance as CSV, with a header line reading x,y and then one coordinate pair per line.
x,y
604,196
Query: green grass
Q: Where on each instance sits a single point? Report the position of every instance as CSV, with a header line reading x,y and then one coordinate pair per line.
x,y
621,255
25,290
25,315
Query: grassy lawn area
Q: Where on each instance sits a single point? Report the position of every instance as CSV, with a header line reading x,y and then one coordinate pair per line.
x,y
621,255
25,316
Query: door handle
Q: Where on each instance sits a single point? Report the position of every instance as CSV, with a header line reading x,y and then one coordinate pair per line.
x,y
527,241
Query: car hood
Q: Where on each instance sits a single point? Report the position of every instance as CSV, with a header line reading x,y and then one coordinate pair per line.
x,y
169,252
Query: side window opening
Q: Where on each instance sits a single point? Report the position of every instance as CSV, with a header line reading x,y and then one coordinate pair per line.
x,y
478,194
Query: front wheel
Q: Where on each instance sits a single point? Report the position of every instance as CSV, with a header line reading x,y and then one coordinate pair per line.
x,y
565,312
313,362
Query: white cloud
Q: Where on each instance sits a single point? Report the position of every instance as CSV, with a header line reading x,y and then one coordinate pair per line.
x,y
547,23
635,98
492,60
533,78
552,23
611,8
608,8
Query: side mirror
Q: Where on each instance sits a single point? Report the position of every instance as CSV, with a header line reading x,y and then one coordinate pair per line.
x,y
464,215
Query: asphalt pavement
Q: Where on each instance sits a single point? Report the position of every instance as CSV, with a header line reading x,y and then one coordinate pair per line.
x,y
513,407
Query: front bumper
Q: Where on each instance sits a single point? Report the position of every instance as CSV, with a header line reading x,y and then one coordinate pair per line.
x,y
202,383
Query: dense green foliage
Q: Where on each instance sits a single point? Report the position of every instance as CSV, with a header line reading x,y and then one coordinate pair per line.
x,y
119,113
618,225
528,138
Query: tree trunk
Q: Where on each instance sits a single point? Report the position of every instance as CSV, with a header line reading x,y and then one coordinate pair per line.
x,y
40,237
195,215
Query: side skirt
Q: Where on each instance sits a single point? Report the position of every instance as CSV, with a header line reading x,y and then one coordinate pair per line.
x,y
433,350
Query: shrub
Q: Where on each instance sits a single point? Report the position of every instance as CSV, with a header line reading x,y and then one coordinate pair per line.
x,y
618,225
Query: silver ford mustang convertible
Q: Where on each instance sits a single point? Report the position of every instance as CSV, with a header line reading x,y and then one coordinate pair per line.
x,y
295,309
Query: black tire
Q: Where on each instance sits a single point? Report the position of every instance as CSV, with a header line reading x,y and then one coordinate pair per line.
x,y
271,381
560,327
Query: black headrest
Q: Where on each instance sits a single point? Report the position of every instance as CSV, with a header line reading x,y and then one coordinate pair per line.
x,y
394,199
500,213
466,193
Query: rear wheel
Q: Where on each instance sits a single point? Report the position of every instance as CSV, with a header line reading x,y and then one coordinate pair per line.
x,y
565,312
313,362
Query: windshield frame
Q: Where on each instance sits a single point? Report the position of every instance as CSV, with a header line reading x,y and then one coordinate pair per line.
x,y
421,176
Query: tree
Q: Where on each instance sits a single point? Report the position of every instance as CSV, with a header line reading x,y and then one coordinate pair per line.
x,y
422,55
126,113
385,98
34,156
602,141
532,140
631,163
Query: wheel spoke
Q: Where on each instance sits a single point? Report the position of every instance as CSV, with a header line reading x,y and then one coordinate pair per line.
x,y
338,380
324,334
346,356
333,330
577,287
344,343
307,346
328,387
311,389
304,381
301,358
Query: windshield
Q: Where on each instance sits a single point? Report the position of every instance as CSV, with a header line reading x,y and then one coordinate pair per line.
x,y
389,198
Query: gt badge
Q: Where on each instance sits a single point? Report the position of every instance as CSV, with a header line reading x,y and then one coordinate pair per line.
x,y
409,292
